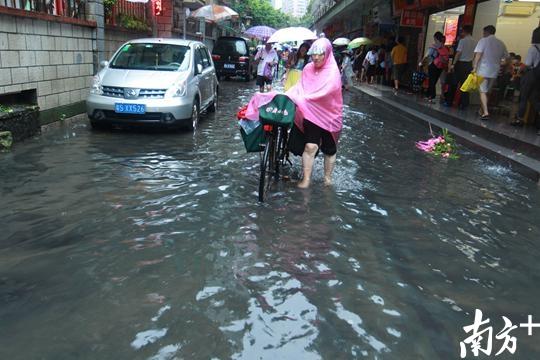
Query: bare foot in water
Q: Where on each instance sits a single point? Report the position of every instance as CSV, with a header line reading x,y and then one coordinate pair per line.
x,y
303,184
327,182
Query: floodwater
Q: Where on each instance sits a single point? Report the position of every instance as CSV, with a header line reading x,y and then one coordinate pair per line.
x,y
126,245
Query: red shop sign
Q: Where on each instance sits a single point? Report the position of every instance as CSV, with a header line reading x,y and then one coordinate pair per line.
x,y
470,9
411,18
400,5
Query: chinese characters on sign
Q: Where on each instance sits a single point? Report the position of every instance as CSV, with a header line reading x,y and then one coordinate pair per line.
x,y
481,339
157,7
400,5
411,18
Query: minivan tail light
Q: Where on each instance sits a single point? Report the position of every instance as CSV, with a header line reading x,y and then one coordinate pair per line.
x,y
216,57
243,58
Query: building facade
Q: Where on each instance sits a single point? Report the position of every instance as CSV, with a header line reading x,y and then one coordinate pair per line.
x,y
296,8
418,20
276,4
49,54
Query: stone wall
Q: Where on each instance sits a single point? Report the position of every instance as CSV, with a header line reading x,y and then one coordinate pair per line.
x,y
21,122
55,56
115,37
51,56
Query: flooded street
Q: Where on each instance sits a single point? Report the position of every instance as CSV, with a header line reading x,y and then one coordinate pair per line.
x,y
130,245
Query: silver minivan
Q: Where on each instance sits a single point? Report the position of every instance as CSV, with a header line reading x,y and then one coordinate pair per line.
x,y
166,82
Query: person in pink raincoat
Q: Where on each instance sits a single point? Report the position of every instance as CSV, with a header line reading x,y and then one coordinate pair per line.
x,y
319,104
318,97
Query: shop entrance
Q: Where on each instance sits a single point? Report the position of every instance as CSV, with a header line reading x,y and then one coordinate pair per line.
x,y
447,22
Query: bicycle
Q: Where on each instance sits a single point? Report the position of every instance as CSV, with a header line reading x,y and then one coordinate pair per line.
x,y
276,118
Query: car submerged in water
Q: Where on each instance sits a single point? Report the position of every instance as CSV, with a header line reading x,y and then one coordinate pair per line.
x,y
163,82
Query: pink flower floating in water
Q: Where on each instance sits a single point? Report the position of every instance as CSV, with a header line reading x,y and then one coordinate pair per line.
x,y
429,146
443,145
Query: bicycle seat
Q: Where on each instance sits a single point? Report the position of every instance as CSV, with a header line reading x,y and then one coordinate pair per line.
x,y
280,111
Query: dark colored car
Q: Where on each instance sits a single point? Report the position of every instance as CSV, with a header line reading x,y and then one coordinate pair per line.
x,y
232,57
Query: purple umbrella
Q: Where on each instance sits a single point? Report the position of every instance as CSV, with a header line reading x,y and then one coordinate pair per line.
x,y
260,32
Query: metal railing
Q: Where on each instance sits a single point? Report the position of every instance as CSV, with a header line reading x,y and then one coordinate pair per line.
x,y
68,8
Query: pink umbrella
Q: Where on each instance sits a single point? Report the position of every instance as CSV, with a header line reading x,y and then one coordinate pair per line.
x,y
260,32
215,13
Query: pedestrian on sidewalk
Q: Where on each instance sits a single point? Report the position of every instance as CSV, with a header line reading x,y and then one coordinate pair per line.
x,y
489,53
381,65
358,65
347,70
319,99
267,58
530,82
371,64
437,60
399,61
462,64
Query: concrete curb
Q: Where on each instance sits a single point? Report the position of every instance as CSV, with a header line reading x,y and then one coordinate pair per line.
x,y
518,162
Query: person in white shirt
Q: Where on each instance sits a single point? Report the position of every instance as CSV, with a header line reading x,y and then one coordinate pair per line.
x,y
530,84
267,58
488,54
462,64
371,64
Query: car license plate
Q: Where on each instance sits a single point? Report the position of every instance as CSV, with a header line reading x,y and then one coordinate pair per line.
x,y
228,66
130,108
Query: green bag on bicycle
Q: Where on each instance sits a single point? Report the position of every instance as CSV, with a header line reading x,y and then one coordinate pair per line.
x,y
280,111
254,139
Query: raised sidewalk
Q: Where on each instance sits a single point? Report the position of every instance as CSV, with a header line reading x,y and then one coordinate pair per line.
x,y
518,148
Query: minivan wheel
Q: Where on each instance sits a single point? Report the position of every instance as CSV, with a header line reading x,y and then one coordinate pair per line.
x,y
195,115
98,125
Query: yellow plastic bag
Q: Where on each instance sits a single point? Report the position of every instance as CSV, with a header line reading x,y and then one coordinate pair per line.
x,y
472,83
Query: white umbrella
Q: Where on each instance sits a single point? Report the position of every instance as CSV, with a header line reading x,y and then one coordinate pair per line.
x,y
215,13
341,42
292,34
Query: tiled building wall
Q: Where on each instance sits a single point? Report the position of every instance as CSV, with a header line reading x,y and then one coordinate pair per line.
x,y
165,20
54,58
115,37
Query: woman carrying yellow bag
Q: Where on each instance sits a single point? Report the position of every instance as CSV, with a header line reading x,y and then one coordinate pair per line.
x,y
472,83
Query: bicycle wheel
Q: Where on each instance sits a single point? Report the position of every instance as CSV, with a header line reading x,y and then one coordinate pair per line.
x,y
278,151
283,146
267,162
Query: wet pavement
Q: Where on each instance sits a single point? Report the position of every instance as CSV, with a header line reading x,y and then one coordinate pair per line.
x,y
130,245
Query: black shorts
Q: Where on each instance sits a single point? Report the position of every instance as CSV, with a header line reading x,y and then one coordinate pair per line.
x,y
371,70
323,138
262,80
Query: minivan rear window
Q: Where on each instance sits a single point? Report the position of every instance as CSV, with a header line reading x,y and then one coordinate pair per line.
x,y
150,56
231,46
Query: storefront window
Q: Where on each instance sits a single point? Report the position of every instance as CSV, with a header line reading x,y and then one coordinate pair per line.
x,y
447,23
514,22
